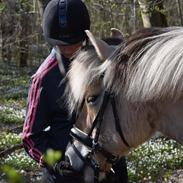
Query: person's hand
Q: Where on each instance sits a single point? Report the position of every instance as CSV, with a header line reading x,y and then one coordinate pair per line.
x,y
63,168
66,172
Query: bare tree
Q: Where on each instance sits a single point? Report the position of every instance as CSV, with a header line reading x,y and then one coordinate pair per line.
x,y
152,12
21,38
7,29
180,11
42,5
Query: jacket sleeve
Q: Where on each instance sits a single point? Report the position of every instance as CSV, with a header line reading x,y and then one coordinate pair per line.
x,y
35,136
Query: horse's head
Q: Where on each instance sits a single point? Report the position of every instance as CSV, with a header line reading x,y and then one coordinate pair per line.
x,y
95,145
138,83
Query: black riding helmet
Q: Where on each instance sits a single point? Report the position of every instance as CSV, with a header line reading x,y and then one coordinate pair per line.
x,y
64,22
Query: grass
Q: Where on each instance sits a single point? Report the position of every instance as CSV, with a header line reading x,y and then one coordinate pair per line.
x,y
19,103
156,158
10,116
15,96
8,139
13,91
20,161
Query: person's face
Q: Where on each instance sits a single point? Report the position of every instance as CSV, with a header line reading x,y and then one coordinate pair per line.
x,y
69,50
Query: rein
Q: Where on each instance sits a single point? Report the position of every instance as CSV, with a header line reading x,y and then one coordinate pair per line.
x,y
92,143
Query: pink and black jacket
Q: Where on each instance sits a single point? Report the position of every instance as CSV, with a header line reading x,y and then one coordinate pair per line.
x,y
47,122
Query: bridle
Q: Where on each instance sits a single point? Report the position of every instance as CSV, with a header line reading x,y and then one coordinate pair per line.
x,y
92,143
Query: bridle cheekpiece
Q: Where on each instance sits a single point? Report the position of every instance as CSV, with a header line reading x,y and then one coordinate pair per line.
x,y
92,143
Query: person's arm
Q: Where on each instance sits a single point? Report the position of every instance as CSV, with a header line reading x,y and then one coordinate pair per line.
x,y
35,137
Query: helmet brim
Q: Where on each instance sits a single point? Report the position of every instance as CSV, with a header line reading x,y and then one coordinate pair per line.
x,y
55,42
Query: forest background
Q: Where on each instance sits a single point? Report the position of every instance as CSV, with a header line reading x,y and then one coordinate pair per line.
x,y
22,50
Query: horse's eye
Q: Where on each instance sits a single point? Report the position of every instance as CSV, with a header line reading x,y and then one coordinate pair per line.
x,y
92,99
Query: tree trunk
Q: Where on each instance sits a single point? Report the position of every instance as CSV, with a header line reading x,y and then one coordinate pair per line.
x,y
42,5
24,32
152,13
7,30
23,40
180,11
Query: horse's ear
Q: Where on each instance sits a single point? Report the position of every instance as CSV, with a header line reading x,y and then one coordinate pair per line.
x,y
116,33
102,49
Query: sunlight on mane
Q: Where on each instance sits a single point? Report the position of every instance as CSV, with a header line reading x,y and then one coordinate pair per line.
x,y
143,72
80,76
153,72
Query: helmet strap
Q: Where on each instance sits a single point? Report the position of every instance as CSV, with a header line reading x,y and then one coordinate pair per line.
x,y
59,60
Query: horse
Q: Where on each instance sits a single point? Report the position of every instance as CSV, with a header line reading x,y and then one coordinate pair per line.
x,y
123,95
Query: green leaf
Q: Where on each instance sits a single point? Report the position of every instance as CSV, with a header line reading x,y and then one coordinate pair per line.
x,y
51,156
12,175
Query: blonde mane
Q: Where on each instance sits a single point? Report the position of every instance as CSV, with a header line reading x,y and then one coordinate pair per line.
x,y
148,67
79,76
155,70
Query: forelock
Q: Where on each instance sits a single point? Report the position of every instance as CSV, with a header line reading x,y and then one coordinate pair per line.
x,y
79,76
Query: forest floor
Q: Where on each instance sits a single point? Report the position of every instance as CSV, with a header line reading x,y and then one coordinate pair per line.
x,y
157,161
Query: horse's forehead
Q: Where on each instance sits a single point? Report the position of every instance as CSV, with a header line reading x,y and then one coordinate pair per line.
x,y
94,87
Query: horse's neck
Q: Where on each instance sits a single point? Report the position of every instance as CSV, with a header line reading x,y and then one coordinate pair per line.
x,y
137,122
171,119
140,121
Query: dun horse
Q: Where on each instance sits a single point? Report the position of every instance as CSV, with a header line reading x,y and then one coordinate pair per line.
x,y
125,94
